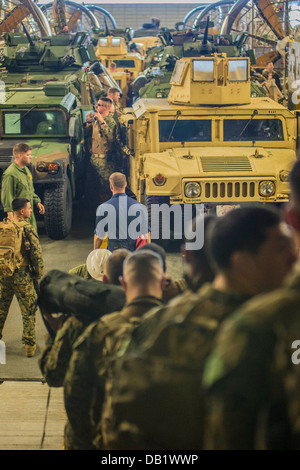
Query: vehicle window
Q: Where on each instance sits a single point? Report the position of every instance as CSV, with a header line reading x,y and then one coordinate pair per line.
x,y
125,63
33,122
185,130
252,129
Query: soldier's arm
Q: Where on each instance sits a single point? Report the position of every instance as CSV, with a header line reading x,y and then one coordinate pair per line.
x,y
83,386
237,381
79,387
35,252
108,128
8,192
57,354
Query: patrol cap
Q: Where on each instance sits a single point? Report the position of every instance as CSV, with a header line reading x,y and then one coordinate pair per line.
x,y
95,263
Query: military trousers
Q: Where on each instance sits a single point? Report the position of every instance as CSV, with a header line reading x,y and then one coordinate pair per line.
x,y
98,173
103,167
21,285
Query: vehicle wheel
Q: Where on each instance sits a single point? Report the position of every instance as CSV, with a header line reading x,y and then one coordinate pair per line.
x,y
58,210
148,201
171,243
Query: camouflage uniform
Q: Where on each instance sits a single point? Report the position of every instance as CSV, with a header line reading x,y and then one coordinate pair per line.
x,y
56,354
174,288
156,398
101,164
22,285
80,271
84,384
252,383
17,182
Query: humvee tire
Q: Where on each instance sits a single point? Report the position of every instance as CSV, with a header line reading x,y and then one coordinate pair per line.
x,y
58,210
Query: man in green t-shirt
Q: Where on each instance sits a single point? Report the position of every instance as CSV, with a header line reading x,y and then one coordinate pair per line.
x,y
17,182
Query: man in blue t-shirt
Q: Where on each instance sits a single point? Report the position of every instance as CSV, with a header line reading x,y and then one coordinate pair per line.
x,y
122,218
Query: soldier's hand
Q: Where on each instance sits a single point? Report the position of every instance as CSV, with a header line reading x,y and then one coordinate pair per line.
x,y
99,117
41,208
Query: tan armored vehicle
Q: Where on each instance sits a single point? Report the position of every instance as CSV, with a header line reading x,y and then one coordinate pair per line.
x,y
114,49
209,142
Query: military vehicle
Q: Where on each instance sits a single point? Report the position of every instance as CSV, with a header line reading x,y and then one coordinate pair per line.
x,y
210,142
154,82
44,96
116,46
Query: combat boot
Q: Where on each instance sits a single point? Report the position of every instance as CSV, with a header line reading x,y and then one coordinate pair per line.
x,y
30,350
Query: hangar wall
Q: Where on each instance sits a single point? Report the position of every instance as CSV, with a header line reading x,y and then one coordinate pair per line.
x,y
134,15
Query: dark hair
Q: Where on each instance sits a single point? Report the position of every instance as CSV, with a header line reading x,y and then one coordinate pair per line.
x,y
294,178
156,249
114,265
242,229
113,90
21,148
142,266
201,259
105,99
19,203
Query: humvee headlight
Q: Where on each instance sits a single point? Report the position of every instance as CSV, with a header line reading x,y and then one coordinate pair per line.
x,y
266,188
192,190
159,94
53,168
284,176
42,167
45,167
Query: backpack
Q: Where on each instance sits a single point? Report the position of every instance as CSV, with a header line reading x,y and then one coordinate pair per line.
x,y
11,238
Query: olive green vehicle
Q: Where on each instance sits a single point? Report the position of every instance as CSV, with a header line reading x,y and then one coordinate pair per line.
x,y
44,98
209,142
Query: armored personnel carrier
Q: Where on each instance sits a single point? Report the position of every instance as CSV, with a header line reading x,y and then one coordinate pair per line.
x,y
209,142
44,97
154,82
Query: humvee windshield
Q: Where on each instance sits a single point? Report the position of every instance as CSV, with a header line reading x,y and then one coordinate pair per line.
x,y
185,130
123,63
34,123
253,129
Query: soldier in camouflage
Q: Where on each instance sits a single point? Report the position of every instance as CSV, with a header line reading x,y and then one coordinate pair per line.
x,y
115,95
57,352
17,183
23,283
100,128
165,358
94,352
252,377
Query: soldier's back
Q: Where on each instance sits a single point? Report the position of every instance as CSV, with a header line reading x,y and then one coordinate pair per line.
x,y
252,376
156,398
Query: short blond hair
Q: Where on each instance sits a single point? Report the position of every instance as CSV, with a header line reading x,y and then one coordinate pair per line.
x,y
117,180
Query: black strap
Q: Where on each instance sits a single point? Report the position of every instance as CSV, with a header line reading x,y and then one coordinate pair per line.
x,y
45,421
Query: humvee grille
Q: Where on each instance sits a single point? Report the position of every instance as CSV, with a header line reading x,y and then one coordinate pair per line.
x,y
229,190
6,159
215,164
